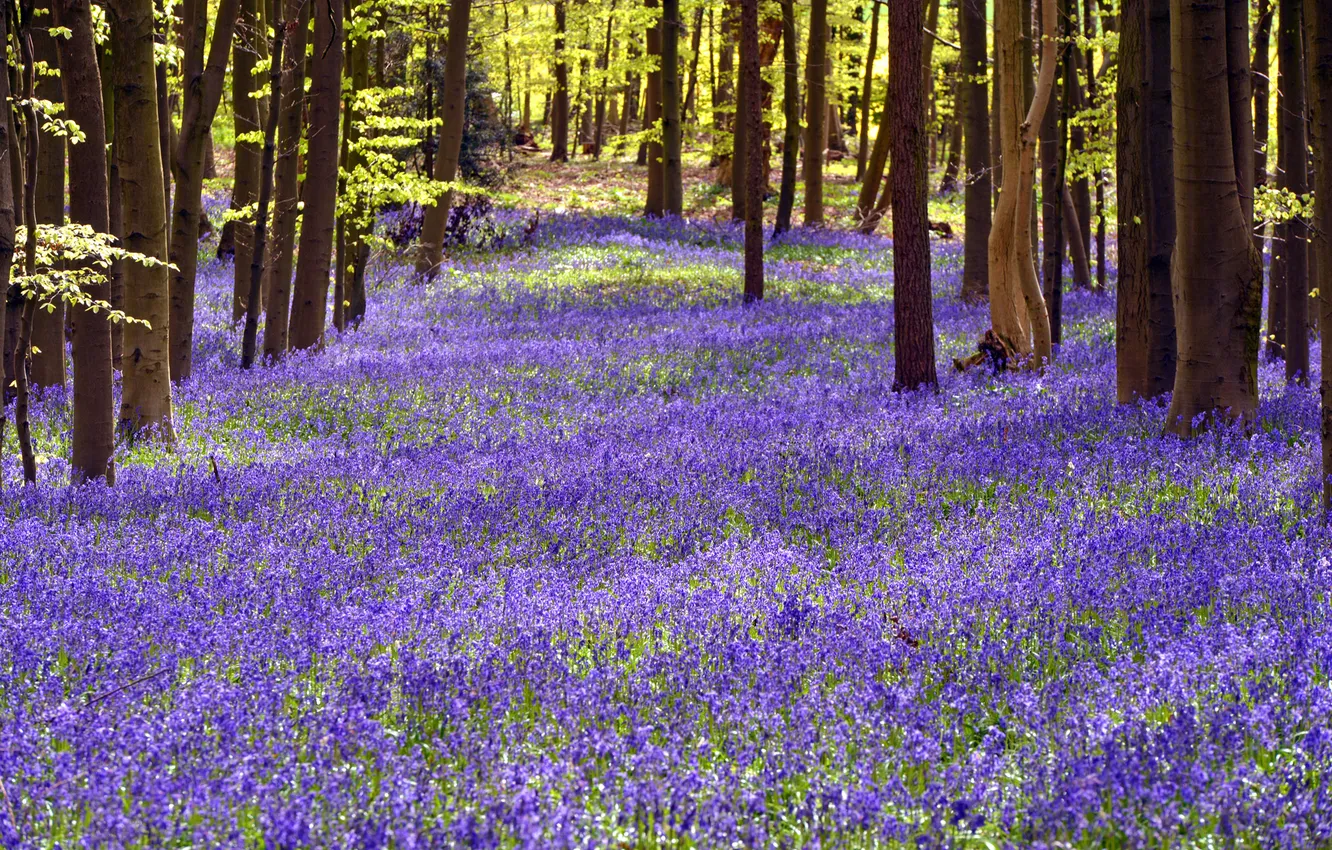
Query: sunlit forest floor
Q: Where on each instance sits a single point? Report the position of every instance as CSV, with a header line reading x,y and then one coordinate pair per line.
x,y
569,548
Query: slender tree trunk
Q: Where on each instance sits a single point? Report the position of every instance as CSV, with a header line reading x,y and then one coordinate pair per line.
x,y
452,108
559,132
245,112
913,303
656,175
695,44
750,117
974,103
32,154
250,338
672,186
145,403
93,415
9,147
1262,89
1294,178
116,269
791,112
48,329
1077,249
286,187
1217,281
356,230
953,162
1053,155
203,92
723,103
603,64
1318,22
867,90
816,111
309,303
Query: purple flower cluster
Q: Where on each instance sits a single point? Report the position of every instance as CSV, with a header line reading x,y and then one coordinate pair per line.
x,y
569,548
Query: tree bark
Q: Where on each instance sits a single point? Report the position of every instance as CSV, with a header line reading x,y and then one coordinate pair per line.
x,y
723,104
656,176
93,414
145,403
1318,22
48,329
559,131
1217,277
1017,309
867,91
245,113
791,112
672,185
1159,190
249,339
309,307
1294,178
203,92
973,99
1054,159
286,188
695,45
452,107
816,110
1262,89
913,304
751,118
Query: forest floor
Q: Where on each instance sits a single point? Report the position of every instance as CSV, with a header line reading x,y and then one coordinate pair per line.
x,y
569,548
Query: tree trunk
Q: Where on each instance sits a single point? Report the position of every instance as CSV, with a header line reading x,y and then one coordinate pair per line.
x,y
353,267
203,92
253,296
1217,277
695,43
1159,191
1077,249
603,64
867,91
1262,89
559,131
791,112
973,100
93,415
913,304
953,162
672,186
309,303
163,101
116,270
816,111
750,117
48,330
245,112
145,403
453,106
1054,159
1017,309
656,176
286,188
723,105
1318,22
1294,178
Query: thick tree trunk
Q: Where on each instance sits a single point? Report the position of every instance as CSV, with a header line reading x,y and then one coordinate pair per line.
x,y
1294,178
1017,309
1159,190
791,112
816,111
672,185
1054,158
309,303
145,403
974,102
1318,21
286,188
245,113
867,91
1217,276
93,415
203,92
913,304
559,131
48,330
453,106
751,118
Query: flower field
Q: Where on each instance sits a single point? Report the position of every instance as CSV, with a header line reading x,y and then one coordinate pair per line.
x,y
570,549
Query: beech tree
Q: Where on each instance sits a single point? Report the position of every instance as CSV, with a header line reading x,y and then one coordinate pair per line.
x,y
48,330
452,106
1318,22
246,165
1217,272
672,188
145,402
973,99
1293,178
309,308
816,110
750,115
791,112
913,302
92,415
1017,308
